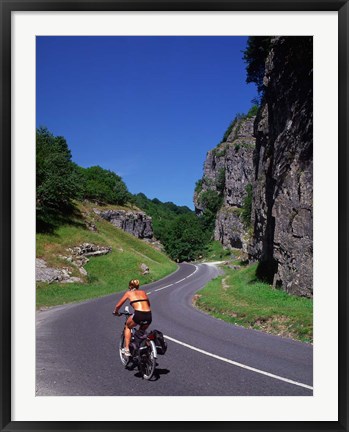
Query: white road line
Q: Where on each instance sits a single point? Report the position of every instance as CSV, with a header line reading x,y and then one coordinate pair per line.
x,y
240,364
180,280
159,289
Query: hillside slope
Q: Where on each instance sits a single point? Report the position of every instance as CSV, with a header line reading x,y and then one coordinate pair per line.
x,y
101,275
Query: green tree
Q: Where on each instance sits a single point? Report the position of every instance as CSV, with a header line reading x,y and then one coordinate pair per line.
x,y
186,239
208,221
254,56
211,200
162,214
103,186
56,178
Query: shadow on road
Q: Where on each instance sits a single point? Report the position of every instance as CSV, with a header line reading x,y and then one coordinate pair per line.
x,y
159,372
156,376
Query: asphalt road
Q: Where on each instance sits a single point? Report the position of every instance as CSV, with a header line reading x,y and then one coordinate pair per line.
x,y
76,349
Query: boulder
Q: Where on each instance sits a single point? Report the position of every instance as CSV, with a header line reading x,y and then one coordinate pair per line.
x,y
144,269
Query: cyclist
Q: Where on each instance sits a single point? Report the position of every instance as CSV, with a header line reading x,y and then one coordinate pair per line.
x,y
142,311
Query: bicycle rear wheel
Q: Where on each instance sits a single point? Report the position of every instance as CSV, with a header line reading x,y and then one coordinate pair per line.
x,y
147,362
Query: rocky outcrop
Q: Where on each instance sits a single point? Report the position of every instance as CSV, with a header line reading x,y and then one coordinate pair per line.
x,y
88,250
44,273
136,223
230,229
144,269
77,257
283,163
228,170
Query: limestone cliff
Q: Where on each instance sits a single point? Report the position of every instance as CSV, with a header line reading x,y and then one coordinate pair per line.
x,y
228,170
274,153
283,163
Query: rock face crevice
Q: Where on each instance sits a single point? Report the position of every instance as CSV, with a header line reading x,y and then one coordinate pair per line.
x,y
283,163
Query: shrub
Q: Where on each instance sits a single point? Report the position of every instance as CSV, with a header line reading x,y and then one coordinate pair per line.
x,y
221,153
220,180
211,200
255,54
237,118
198,186
253,111
237,211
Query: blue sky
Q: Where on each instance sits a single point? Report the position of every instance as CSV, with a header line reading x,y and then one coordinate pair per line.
x,y
147,108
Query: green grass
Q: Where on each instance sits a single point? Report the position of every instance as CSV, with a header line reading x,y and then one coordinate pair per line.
x,y
239,298
215,252
106,274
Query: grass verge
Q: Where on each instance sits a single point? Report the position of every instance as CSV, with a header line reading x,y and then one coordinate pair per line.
x,y
214,251
239,298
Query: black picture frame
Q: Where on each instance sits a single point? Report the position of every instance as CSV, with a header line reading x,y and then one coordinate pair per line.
x,y
7,7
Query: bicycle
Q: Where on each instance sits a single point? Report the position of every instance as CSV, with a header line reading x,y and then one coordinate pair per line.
x,y
142,349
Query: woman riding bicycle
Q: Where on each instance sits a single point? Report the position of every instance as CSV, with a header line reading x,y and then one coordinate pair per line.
x,y
142,312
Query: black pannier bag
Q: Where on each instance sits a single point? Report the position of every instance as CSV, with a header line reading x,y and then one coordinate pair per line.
x,y
160,343
139,337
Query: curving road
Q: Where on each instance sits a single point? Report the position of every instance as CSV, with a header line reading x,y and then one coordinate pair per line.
x,y
76,349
